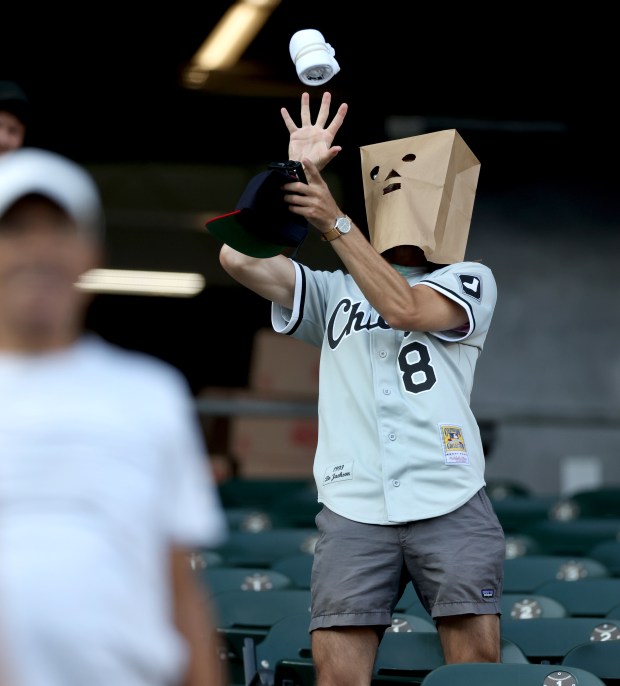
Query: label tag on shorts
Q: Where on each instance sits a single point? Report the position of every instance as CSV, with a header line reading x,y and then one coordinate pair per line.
x,y
343,471
488,593
453,443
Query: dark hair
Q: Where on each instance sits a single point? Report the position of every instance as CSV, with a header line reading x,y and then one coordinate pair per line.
x,y
14,100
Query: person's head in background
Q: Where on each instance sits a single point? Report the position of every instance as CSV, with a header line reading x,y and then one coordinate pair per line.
x,y
14,115
51,231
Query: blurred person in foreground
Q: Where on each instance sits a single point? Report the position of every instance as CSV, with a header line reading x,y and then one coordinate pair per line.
x,y
104,477
14,115
399,463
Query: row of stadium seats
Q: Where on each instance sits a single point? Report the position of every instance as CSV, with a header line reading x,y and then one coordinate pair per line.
x,y
533,524
587,597
562,570
268,633
249,602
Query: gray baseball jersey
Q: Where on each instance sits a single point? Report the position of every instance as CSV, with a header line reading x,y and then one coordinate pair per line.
x,y
397,438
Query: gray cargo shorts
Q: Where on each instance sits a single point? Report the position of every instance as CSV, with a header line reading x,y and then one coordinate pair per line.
x,y
455,563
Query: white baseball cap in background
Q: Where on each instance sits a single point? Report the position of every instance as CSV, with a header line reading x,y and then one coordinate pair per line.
x,y
313,57
34,170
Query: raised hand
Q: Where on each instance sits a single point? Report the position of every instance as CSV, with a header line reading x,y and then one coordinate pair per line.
x,y
314,141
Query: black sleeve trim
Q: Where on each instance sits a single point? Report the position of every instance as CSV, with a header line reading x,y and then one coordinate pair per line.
x,y
456,297
302,302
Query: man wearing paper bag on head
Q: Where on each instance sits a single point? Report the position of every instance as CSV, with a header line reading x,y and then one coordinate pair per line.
x,y
420,191
399,464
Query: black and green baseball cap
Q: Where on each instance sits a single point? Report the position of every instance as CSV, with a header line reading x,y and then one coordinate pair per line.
x,y
261,224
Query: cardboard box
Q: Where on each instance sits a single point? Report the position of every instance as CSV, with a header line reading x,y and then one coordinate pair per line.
x,y
281,364
273,442
274,446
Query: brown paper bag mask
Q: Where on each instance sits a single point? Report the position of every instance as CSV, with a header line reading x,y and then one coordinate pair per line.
x,y
420,191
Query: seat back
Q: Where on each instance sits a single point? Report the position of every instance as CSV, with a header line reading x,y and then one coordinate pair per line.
x,y
218,579
285,653
574,537
517,512
404,622
608,554
248,519
297,567
263,548
237,608
410,603
550,639
407,655
403,656
599,657
527,573
530,606
596,502
245,614
494,674
589,597
257,492
297,508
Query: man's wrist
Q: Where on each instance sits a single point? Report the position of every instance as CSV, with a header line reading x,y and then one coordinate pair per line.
x,y
342,226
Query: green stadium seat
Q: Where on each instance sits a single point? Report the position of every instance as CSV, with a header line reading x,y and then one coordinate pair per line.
x,y
530,606
258,493
573,537
297,508
409,657
217,579
548,640
597,503
405,622
410,602
608,554
591,597
242,614
263,548
526,574
284,654
493,674
599,657
248,519
517,512
297,567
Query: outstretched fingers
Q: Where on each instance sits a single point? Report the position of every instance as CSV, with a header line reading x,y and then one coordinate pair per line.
x,y
305,110
288,120
323,114
336,122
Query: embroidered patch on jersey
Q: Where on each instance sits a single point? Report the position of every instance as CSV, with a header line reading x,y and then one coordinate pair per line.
x,y
471,286
488,593
454,449
342,471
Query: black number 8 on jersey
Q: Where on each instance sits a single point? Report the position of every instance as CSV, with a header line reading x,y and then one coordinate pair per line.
x,y
419,375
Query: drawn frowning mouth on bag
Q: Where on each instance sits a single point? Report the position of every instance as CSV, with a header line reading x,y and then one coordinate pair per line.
x,y
395,186
390,188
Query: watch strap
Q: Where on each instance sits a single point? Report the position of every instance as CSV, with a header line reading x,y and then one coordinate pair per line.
x,y
331,235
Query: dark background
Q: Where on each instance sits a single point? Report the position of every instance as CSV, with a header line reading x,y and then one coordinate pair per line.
x,y
106,81
532,93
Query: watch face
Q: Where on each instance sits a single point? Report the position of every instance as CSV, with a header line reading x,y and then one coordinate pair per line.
x,y
343,224
560,679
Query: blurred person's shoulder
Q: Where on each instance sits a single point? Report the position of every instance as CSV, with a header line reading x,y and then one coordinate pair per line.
x,y
133,369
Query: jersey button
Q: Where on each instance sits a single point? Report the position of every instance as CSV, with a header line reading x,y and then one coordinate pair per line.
x,y
392,437
386,391
396,483
382,353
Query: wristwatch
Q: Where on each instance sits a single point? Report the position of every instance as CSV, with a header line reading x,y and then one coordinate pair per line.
x,y
341,226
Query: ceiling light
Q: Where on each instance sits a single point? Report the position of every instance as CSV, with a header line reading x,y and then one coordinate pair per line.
x,y
127,281
229,39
